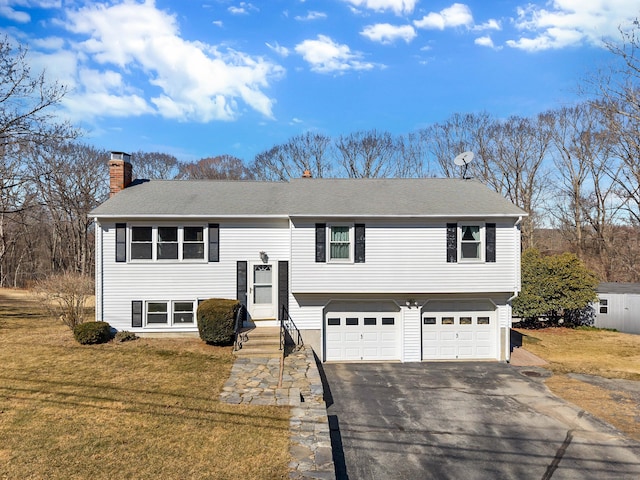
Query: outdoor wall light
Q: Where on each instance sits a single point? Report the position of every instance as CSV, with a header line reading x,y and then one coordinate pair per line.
x,y
264,257
411,303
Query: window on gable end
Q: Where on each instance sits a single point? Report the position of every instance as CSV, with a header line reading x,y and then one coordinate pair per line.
x,y
193,243
141,243
167,243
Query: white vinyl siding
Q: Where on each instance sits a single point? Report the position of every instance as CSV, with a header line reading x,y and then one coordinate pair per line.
x,y
122,283
403,256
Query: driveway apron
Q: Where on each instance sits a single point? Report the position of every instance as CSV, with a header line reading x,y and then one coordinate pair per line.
x,y
464,421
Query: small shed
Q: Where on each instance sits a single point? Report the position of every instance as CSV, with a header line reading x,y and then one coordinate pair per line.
x,y
618,306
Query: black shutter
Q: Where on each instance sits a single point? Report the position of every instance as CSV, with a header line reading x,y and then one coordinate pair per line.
x,y
360,243
241,283
283,287
452,242
490,239
121,242
214,242
136,313
321,242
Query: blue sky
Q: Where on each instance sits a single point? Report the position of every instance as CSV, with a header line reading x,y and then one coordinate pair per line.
x,y
199,78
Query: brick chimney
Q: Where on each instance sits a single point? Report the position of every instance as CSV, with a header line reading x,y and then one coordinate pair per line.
x,y
119,172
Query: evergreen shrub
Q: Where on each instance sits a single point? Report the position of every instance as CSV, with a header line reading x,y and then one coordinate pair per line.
x,y
216,320
92,332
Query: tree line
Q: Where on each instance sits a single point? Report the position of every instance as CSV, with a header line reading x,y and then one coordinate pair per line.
x,y
575,169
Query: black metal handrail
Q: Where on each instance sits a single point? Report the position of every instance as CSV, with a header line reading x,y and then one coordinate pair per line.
x,y
289,333
239,336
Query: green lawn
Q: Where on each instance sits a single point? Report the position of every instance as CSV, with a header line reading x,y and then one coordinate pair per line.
x,y
146,409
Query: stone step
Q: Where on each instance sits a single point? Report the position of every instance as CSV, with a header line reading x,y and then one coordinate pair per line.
x,y
261,342
258,351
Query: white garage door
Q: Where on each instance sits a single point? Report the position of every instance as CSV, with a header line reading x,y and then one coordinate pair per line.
x,y
459,330
362,335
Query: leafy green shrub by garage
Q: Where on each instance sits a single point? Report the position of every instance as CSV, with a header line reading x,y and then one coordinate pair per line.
x,y
216,320
92,332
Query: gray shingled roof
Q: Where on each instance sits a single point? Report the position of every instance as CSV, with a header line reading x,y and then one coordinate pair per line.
x,y
428,197
618,287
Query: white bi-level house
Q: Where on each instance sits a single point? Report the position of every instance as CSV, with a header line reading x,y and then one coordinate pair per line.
x,y
368,269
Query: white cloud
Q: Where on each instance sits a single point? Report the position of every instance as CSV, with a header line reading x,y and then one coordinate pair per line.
x,y
397,6
386,33
457,15
217,23
311,15
48,43
491,24
14,15
189,80
563,23
279,49
243,8
486,41
326,56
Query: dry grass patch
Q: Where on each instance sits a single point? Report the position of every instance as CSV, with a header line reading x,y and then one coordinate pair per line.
x,y
591,352
615,407
144,409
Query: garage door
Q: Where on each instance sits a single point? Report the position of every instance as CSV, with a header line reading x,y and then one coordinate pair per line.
x,y
459,330
362,335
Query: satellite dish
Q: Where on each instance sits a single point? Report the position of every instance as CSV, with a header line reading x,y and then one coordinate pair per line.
x,y
463,160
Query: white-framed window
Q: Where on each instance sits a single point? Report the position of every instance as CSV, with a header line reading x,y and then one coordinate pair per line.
x,y
168,242
193,243
157,313
340,243
170,313
471,242
183,313
141,243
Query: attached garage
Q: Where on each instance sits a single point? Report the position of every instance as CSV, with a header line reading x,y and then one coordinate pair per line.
x,y
464,329
362,331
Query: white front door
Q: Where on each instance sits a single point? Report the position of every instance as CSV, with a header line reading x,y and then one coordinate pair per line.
x,y
262,291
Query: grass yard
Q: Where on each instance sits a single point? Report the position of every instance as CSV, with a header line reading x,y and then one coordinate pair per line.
x,y
145,409
591,352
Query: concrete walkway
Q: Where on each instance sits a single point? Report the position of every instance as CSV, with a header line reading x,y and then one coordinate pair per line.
x,y
524,358
254,381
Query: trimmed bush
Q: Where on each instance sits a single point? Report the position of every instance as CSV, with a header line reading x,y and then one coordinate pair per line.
x,y
92,332
124,336
216,320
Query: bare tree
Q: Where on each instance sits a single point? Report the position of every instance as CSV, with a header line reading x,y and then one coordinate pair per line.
x,y
309,151
222,167
27,118
615,92
367,154
27,103
515,159
459,133
66,296
71,181
154,165
412,157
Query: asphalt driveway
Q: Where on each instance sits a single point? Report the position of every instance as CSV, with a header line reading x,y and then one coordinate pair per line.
x,y
464,421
